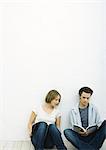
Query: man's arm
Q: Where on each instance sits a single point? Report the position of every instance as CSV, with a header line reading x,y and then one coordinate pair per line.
x,y
72,121
97,118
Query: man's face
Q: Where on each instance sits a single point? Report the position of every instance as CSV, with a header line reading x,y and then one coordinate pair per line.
x,y
84,99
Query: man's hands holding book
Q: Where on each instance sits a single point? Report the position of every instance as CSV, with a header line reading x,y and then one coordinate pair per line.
x,y
84,132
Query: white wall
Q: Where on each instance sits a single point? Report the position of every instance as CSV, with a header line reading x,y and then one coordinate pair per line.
x,y
46,45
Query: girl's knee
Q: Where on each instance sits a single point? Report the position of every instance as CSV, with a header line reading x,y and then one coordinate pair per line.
x,y
52,127
42,125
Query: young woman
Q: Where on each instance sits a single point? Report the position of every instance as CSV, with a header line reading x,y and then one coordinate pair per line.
x,y
44,124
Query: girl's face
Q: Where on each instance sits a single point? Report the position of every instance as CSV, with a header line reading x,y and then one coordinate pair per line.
x,y
55,101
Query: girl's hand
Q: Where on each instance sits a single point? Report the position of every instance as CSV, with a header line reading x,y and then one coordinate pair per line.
x,y
30,129
30,132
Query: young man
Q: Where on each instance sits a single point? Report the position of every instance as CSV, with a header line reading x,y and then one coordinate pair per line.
x,y
85,114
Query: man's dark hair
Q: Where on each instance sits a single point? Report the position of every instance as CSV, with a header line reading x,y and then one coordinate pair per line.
x,y
86,90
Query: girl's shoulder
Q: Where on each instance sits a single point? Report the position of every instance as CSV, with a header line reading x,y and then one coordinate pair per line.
x,y
57,112
36,109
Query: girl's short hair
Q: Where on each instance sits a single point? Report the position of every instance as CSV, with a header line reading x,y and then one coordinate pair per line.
x,y
51,95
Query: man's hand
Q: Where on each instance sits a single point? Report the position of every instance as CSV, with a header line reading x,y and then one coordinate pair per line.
x,y
84,133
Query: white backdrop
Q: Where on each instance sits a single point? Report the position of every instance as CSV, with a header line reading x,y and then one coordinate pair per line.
x,y
46,45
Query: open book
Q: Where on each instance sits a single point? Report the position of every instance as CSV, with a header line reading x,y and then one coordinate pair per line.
x,y
89,129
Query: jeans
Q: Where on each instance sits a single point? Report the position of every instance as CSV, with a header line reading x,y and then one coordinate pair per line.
x,y
93,141
46,136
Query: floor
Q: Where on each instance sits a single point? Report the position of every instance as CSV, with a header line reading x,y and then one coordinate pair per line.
x,y
23,145
26,145
16,145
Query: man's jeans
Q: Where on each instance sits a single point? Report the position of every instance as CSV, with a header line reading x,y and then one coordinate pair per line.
x,y
93,141
46,136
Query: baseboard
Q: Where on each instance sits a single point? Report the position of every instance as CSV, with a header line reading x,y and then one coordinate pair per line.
x,y
67,143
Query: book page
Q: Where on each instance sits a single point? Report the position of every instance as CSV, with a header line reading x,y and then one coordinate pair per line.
x,y
91,129
78,128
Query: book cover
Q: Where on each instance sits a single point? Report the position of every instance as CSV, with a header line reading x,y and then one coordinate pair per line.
x,y
89,129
